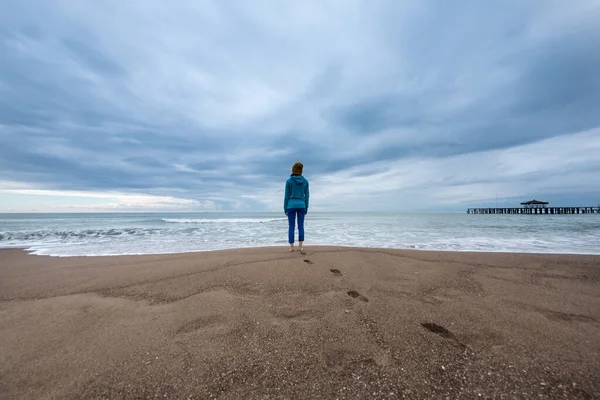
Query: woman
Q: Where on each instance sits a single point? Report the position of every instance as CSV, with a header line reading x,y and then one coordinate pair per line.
x,y
295,203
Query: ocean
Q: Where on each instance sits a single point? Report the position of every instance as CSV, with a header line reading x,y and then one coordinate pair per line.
x,y
104,234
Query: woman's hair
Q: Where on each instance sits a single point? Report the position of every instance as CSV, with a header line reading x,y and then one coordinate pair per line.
x,y
297,168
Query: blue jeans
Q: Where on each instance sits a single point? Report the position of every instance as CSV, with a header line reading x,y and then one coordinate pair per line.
x,y
291,213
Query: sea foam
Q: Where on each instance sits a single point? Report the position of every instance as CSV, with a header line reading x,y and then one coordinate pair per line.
x,y
118,234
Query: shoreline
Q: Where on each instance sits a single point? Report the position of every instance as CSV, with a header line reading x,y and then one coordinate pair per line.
x,y
284,248
335,322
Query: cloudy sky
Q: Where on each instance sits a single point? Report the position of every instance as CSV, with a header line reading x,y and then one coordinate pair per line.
x,y
151,105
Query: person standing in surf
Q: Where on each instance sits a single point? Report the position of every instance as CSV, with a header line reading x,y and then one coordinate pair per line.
x,y
295,204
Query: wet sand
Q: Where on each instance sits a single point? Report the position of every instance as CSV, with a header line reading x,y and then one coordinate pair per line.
x,y
331,323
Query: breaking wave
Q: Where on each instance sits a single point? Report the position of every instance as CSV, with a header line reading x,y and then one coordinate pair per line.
x,y
222,220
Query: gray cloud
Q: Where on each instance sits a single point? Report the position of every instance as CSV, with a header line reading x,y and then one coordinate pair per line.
x,y
215,101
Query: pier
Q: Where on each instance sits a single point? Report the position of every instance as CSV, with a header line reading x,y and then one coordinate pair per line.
x,y
535,207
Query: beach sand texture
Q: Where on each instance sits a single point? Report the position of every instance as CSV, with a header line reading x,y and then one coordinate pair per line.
x,y
330,323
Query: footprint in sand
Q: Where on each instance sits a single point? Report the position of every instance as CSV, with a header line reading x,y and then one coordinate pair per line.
x,y
336,272
438,329
308,262
355,295
200,323
443,332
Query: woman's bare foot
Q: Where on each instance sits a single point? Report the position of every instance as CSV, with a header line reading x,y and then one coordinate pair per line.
x,y
291,247
300,245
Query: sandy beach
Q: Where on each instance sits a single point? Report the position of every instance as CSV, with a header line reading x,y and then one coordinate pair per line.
x,y
330,323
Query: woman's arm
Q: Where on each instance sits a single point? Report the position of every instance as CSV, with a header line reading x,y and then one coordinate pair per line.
x,y
306,196
286,198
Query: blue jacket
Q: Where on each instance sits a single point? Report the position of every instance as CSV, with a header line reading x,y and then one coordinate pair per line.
x,y
296,193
